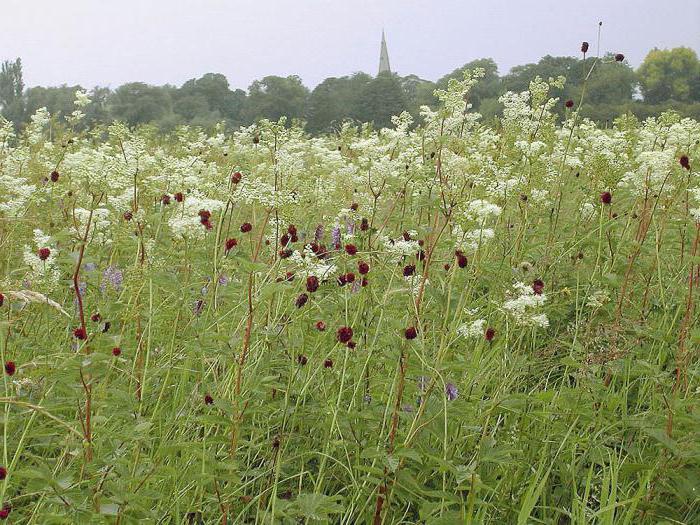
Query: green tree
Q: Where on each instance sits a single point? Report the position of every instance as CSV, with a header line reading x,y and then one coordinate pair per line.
x,y
274,97
138,103
335,100
11,90
380,99
488,87
209,99
670,74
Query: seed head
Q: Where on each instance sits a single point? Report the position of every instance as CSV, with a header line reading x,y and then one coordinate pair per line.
x,y
301,300
246,227
208,400
409,270
584,47
10,368
230,244
606,197
344,334
311,283
320,326
54,176
685,162
411,333
3,473
619,57
236,177
490,334
350,249
328,363
363,268
116,351
569,103
538,286
79,333
302,359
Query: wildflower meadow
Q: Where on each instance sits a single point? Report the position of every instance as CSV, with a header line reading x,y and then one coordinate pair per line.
x,y
439,322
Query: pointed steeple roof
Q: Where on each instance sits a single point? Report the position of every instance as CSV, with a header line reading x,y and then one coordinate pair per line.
x,y
384,57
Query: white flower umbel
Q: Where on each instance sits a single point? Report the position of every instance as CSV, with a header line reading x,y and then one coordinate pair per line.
x,y
473,329
524,306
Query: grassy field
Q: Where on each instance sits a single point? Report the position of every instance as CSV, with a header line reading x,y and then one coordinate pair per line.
x,y
436,323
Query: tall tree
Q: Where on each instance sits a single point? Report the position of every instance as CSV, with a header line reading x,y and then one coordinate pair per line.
x,y
380,99
11,90
670,74
274,97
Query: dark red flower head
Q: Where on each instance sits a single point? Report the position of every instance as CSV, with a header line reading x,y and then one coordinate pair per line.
x,y
569,103
363,268
584,47
302,359
284,240
10,368
354,206
344,334
685,162
208,400
342,279
364,224
231,244
95,318
179,197
54,176
406,236
116,351
79,333
301,300
3,473
619,57
538,286
606,197
462,260
490,334
44,253
311,283
350,249
320,326
246,227
328,363
351,345
409,270
236,177
5,511
128,216
411,332
349,277
2,299
165,199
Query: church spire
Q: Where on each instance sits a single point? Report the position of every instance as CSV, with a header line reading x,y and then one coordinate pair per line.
x,y
384,57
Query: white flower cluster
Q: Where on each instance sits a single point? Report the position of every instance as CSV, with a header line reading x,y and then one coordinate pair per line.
x,y
524,308
474,329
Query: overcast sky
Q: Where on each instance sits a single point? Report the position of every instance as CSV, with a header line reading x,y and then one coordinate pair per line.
x,y
110,42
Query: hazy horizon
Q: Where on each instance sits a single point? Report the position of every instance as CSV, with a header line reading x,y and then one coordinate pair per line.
x,y
169,42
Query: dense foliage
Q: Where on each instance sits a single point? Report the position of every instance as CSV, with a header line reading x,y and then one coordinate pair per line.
x,y
667,79
437,322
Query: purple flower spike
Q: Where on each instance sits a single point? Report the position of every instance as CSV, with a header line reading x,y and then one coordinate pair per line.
x,y
451,391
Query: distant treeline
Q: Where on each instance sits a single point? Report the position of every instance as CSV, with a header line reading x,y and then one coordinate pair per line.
x,y
667,79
